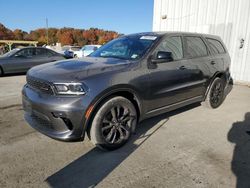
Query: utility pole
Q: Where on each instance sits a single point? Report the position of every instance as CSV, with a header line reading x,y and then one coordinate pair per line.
x,y
47,31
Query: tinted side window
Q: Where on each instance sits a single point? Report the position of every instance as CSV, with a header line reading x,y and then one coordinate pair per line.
x,y
173,45
50,52
216,46
195,47
27,52
41,52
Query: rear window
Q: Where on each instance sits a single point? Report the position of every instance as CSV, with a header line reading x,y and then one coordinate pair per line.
x,y
195,47
216,46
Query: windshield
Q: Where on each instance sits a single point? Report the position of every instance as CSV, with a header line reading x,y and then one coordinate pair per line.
x,y
130,47
10,53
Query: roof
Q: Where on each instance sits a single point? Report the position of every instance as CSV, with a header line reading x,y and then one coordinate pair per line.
x,y
34,47
162,33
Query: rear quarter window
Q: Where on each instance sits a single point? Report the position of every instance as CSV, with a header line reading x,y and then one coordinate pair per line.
x,y
195,47
216,46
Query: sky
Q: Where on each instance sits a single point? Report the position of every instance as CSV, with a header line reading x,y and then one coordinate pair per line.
x,y
123,16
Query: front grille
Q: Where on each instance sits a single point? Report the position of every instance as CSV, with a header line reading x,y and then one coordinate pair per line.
x,y
39,85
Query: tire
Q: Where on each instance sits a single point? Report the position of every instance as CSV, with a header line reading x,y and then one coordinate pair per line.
x,y
113,123
215,95
1,71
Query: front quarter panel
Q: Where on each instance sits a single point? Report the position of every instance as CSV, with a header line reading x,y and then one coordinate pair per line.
x,y
132,79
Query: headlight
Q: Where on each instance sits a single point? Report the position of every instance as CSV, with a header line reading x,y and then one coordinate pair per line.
x,y
70,88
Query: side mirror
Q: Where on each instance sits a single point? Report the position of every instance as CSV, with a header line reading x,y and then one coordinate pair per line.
x,y
162,57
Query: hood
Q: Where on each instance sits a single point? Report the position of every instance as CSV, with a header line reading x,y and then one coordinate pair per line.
x,y
77,69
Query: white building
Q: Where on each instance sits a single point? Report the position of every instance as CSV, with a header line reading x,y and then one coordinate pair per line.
x,y
230,19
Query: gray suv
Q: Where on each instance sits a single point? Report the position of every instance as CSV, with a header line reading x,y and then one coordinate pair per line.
x,y
129,79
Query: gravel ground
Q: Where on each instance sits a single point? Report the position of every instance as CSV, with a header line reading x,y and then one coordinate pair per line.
x,y
190,147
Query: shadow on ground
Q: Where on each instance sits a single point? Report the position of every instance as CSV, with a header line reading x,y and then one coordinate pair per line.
x,y
94,166
13,74
240,135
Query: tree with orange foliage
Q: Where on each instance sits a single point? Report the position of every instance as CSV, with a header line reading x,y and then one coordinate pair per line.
x,y
90,36
66,36
5,33
19,34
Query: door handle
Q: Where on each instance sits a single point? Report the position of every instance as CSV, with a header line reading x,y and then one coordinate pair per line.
x,y
212,62
182,67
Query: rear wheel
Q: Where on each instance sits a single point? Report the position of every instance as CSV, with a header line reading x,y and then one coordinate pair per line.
x,y
1,71
215,95
113,123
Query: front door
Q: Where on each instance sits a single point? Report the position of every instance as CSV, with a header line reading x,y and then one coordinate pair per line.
x,y
21,61
168,80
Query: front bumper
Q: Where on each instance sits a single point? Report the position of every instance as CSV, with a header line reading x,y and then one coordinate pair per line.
x,y
59,117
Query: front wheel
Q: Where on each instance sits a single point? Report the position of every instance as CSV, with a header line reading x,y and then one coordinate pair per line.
x,y
215,94
113,123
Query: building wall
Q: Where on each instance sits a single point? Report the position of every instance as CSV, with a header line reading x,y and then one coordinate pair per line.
x,y
230,19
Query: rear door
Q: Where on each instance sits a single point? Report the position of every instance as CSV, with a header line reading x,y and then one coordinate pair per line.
x,y
220,61
197,66
41,56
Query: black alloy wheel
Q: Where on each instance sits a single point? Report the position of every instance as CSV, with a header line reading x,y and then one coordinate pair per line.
x,y
116,124
215,96
113,123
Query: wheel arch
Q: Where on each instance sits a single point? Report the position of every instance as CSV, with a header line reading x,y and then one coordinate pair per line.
x,y
221,75
124,91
